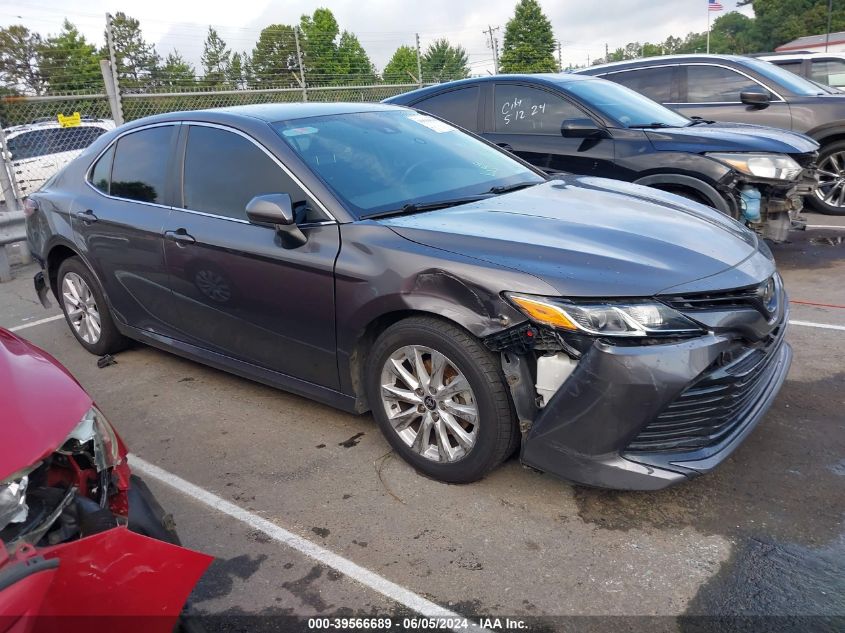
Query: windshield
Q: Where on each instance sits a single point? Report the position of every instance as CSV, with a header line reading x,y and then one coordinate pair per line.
x,y
792,82
623,105
382,161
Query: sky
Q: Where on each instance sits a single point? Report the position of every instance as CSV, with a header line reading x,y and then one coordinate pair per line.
x,y
582,27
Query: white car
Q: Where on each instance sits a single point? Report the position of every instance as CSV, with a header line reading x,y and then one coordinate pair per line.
x,y
823,68
38,150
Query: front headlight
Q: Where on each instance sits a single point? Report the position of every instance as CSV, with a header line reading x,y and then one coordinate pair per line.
x,y
94,427
770,166
605,318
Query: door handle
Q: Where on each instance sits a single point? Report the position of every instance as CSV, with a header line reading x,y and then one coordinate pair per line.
x,y
180,236
505,147
87,217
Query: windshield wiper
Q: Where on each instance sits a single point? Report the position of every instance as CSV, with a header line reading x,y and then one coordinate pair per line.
x,y
653,125
699,121
514,187
413,207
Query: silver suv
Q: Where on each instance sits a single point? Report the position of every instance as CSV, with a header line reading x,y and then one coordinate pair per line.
x,y
823,68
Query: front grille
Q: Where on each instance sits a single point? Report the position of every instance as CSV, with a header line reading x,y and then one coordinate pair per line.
x,y
762,297
714,406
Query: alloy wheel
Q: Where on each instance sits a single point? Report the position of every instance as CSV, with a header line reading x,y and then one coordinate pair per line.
x,y
831,189
81,308
429,403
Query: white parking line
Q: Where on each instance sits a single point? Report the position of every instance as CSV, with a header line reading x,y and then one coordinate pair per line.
x,y
326,557
18,328
826,226
824,326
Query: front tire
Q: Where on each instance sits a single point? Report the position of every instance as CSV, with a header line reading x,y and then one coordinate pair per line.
x,y
440,399
85,309
829,197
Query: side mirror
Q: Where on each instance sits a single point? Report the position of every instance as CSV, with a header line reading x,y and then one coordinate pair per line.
x,y
276,209
755,98
582,128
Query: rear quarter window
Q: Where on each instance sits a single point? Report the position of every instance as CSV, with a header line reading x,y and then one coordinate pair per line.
x,y
458,106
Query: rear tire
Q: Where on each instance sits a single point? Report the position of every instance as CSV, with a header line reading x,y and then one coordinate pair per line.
x,y
86,310
831,180
460,383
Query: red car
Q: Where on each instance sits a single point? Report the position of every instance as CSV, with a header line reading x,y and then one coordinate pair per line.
x,y
85,544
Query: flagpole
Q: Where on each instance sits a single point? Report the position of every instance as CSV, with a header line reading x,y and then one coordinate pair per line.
x,y
708,28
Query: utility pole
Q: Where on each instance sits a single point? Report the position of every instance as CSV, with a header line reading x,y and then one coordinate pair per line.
x,y
559,58
829,15
419,62
494,46
606,53
301,66
116,103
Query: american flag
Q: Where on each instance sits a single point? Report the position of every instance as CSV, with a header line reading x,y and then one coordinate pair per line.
x,y
714,5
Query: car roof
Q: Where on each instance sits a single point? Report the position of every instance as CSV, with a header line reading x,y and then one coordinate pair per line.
x,y
798,55
556,79
53,124
268,112
664,59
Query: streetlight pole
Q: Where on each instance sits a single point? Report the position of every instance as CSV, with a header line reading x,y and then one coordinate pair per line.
x,y
829,15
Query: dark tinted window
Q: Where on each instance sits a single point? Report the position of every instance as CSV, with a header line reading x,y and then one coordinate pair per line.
x,y
791,66
711,84
654,83
828,71
52,141
101,173
458,106
238,172
140,165
524,110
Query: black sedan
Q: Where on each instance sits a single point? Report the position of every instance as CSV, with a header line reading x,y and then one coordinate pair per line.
x,y
565,122
375,258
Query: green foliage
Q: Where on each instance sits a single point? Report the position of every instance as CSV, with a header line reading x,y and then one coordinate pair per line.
x,y
402,67
353,64
781,21
332,57
273,59
529,41
137,61
19,49
239,71
69,63
216,59
444,62
176,72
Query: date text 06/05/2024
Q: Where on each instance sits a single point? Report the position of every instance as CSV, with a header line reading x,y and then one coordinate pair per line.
x,y
416,624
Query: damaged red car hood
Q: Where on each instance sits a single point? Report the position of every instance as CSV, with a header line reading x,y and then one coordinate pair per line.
x,y
40,403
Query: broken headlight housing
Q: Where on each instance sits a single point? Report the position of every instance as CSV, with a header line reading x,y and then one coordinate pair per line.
x,y
596,317
94,427
760,165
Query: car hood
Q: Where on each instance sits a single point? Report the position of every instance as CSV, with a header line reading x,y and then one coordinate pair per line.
x,y
590,237
40,404
731,137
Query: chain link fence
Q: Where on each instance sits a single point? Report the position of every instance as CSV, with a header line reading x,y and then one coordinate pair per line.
x,y
44,133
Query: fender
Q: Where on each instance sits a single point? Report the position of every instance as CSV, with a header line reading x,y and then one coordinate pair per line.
x,y
827,131
710,194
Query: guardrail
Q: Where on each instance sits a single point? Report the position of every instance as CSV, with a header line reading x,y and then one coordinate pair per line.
x,y
12,230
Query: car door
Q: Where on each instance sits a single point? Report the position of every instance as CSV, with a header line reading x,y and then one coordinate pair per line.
x,y
118,221
713,92
526,120
240,292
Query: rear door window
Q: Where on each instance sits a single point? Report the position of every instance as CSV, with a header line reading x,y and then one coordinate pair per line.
x,y
239,171
828,71
140,165
716,84
654,83
458,106
520,109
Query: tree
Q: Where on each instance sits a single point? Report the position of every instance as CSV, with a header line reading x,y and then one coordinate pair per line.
x,y
353,63
402,67
177,72
777,22
529,41
273,59
19,71
216,58
734,33
444,62
237,75
137,61
68,62
319,48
